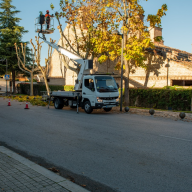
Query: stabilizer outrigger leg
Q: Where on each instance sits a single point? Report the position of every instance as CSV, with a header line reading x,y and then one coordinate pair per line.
x,y
49,102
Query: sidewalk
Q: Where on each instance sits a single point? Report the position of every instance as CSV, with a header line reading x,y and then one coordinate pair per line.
x,y
158,113
19,174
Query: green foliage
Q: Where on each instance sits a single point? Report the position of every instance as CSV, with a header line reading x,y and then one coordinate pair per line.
x,y
10,33
158,38
37,100
24,88
34,80
155,20
175,87
69,88
177,99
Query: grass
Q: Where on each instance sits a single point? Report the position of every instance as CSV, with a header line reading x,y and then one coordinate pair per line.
x,y
34,100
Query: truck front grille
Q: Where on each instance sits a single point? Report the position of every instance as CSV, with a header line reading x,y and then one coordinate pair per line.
x,y
108,98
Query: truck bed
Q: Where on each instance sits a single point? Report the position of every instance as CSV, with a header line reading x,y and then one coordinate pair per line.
x,y
65,93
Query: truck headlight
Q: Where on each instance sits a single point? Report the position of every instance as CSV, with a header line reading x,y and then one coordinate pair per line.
x,y
117,100
99,100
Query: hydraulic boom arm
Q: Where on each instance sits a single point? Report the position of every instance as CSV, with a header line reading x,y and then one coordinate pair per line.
x,y
85,64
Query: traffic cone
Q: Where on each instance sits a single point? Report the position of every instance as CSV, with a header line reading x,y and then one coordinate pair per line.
x,y
26,107
9,103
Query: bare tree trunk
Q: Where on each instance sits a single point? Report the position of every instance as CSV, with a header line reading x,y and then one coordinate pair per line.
x,y
13,79
126,75
46,83
126,80
147,77
11,84
31,87
148,70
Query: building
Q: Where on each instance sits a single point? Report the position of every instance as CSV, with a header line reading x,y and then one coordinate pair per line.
x,y
166,66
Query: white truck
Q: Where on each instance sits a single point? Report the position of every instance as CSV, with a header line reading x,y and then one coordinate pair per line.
x,y
91,91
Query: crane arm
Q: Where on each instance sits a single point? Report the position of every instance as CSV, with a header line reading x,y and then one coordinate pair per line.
x,y
63,51
85,64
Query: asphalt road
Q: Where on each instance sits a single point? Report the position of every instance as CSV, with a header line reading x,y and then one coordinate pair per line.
x,y
120,152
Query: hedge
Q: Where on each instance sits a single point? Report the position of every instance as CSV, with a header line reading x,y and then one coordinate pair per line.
x,y
24,88
69,88
175,99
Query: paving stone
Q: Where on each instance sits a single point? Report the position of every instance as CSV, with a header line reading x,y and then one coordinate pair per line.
x,y
16,176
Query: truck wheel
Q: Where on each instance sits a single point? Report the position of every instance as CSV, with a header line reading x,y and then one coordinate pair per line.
x,y
58,104
87,107
107,109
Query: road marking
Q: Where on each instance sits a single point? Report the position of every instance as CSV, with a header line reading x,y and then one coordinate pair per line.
x,y
175,138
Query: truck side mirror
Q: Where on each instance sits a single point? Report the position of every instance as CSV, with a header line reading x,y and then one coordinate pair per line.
x,y
118,85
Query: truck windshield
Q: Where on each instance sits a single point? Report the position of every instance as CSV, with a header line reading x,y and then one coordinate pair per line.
x,y
106,84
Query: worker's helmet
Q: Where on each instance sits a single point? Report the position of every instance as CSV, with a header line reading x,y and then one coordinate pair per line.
x,y
47,11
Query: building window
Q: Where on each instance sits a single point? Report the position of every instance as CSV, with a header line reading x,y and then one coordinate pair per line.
x,y
182,82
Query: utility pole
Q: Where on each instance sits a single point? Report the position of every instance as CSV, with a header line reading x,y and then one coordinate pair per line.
x,y
116,32
6,76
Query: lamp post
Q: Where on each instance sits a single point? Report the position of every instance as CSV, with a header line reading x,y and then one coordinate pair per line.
x,y
5,73
167,66
116,32
6,77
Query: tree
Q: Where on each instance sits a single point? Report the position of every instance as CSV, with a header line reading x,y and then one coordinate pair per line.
x,y
37,57
10,33
129,13
93,23
86,23
31,69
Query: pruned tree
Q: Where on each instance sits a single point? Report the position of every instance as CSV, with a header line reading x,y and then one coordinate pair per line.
x,y
37,57
23,66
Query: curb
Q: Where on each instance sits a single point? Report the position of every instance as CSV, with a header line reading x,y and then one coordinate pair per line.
x,y
43,171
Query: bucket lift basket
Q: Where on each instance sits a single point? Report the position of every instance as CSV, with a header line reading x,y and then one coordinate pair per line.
x,y
41,25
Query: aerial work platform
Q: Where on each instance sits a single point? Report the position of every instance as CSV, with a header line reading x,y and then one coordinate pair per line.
x,y
44,24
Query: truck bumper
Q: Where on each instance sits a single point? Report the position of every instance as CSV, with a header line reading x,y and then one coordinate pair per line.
x,y
103,105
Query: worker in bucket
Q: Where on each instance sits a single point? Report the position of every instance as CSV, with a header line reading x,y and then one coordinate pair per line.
x,y
47,19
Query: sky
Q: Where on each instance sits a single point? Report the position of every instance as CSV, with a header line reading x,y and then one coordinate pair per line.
x,y
177,25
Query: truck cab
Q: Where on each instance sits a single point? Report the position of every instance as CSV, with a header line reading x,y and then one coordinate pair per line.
x,y
99,91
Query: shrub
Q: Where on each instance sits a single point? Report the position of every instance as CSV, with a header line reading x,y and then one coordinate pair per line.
x,y
69,88
177,99
38,89
37,101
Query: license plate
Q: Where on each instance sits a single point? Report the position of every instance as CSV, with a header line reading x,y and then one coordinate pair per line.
x,y
109,106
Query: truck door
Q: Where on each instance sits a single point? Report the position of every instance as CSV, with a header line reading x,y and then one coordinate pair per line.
x,y
88,90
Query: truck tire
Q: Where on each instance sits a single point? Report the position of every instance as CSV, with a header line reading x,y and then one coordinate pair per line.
x,y
107,109
58,104
87,107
